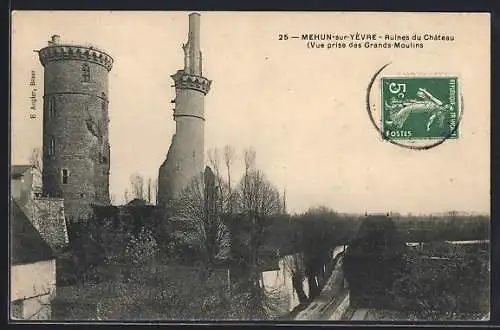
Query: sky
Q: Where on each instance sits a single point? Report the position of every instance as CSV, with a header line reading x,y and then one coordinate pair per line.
x,y
302,110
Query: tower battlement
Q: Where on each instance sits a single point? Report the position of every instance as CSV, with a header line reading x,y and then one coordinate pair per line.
x,y
183,80
56,51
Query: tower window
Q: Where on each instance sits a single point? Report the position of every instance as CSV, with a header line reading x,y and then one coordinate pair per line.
x,y
86,72
52,145
52,107
104,103
65,175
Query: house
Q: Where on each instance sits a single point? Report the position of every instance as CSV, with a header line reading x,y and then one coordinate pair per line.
x,y
32,269
45,213
26,183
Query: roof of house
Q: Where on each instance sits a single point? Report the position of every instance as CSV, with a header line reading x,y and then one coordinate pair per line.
x,y
137,202
27,245
17,171
268,263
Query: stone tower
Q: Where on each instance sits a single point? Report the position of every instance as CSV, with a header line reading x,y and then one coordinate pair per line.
x,y
185,157
76,152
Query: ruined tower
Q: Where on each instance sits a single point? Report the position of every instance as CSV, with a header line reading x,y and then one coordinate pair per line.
x,y
76,152
185,157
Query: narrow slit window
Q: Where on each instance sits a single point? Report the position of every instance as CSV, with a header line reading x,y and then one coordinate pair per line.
x,y
65,176
52,145
86,72
52,107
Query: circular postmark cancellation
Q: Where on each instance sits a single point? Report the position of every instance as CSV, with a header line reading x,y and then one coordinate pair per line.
x,y
414,110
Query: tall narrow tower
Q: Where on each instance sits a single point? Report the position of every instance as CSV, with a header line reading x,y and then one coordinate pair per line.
x,y
76,152
185,157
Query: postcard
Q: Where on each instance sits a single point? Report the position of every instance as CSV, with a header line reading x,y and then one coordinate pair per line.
x,y
286,166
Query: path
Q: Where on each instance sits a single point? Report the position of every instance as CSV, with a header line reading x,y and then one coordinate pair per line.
x,y
332,299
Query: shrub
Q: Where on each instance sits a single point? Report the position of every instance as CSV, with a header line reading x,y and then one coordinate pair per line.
x,y
142,247
437,288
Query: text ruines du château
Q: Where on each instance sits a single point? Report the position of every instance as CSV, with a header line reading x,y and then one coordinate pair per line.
x,y
371,40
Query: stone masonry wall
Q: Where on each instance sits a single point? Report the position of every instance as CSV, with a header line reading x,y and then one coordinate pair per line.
x,y
78,124
47,216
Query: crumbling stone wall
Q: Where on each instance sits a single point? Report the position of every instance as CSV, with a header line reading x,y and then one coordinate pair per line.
x,y
47,216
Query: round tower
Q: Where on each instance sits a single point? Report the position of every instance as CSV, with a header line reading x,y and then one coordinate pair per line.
x,y
76,152
185,157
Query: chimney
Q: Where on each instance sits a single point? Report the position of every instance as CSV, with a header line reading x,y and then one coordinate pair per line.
x,y
55,39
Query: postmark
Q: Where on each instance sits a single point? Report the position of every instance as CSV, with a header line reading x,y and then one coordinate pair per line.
x,y
419,107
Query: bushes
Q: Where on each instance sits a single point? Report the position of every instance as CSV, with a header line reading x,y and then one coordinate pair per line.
x,y
373,261
437,288
150,292
142,248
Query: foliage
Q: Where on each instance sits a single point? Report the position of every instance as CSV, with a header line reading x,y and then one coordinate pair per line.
x,y
151,292
107,238
316,233
373,261
142,248
444,280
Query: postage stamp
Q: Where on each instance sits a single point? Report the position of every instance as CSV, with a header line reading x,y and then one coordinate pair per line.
x,y
419,107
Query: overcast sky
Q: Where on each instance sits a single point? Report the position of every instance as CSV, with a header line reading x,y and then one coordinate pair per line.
x,y
302,110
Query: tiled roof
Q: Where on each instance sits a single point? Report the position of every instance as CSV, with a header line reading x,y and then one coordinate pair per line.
x,y
27,245
18,170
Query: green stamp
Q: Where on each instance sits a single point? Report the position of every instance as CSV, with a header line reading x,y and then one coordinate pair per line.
x,y
416,108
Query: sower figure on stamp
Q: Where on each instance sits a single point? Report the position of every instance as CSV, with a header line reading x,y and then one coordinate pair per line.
x,y
400,110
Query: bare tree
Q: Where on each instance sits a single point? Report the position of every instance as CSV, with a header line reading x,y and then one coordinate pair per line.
x,y
126,196
260,197
155,191
222,187
229,155
249,160
214,160
137,182
258,201
284,201
112,199
149,189
197,222
294,265
36,159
